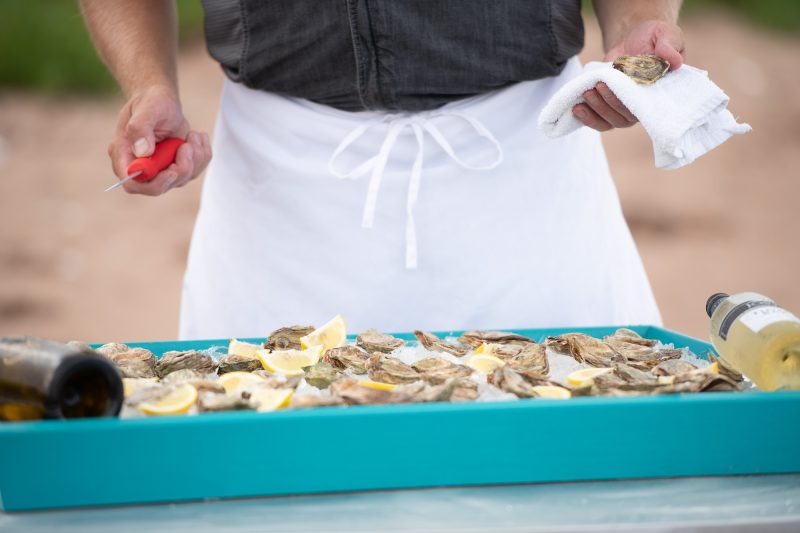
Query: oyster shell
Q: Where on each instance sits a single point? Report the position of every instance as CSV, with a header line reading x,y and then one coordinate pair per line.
x,y
387,369
131,362
278,381
347,357
701,380
726,369
437,370
321,375
287,338
507,379
585,349
349,391
172,361
373,340
673,367
530,359
238,363
312,400
420,391
632,337
433,343
466,390
475,338
80,346
643,69
213,401
184,375
148,393
638,354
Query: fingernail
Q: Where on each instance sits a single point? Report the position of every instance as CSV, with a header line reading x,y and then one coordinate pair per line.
x,y
189,153
140,147
580,113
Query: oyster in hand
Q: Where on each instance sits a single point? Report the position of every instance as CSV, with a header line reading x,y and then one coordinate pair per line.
x,y
287,338
437,370
374,341
238,363
476,338
321,375
191,359
433,343
386,369
643,69
347,357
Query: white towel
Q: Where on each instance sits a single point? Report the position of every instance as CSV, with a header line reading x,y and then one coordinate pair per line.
x,y
685,113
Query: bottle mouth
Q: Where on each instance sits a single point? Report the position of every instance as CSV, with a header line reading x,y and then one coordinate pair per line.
x,y
713,302
85,388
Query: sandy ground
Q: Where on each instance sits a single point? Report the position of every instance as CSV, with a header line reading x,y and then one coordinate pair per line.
x,y
78,263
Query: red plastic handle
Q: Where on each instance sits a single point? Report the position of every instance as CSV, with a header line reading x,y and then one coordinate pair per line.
x,y
163,156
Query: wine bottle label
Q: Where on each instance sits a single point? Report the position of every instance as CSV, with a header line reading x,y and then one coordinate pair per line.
x,y
759,318
739,310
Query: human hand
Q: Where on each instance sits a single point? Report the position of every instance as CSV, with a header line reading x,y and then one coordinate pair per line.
x,y
150,116
601,109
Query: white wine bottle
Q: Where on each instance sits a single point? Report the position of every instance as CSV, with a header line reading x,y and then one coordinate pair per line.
x,y
757,337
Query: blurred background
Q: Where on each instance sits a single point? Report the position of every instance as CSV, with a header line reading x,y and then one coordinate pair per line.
x,y
76,263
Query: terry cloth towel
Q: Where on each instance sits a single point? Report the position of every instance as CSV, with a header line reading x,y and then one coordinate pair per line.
x,y
685,113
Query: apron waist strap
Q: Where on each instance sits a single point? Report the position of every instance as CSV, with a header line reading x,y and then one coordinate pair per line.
x,y
419,124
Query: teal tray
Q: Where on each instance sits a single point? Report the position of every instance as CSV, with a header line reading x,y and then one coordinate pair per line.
x,y
56,464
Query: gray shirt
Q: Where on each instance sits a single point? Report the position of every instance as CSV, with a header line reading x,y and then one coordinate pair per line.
x,y
406,55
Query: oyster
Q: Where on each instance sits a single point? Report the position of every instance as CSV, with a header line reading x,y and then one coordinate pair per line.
x,y
184,375
466,391
531,358
148,393
701,380
632,337
507,379
634,378
374,341
420,391
287,338
321,375
476,338
639,354
80,346
131,362
172,361
585,349
108,350
387,369
349,391
347,357
278,381
312,400
437,370
433,343
238,363
726,369
673,367
214,401
643,69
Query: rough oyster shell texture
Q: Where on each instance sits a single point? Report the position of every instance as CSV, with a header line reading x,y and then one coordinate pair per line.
x,y
530,359
191,359
433,343
643,69
373,340
349,391
238,363
347,357
214,401
437,370
475,338
287,338
387,369
131,362
321,375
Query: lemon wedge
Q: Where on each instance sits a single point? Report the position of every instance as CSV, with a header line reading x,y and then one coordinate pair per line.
x,y
131,385
551,392
377,385
666,380
485,363
245,349
331,335
585,376
269,399
231,381
289,362
175,402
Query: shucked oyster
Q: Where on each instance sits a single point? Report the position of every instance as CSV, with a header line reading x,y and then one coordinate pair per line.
x,y
476,338
238,363
643,69
172,361
387,369
347,357
131,362
585,349
374,341
287,338
321,375
437,370
433,343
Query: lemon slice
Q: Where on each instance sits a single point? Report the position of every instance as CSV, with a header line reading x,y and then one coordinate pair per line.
x,y
377,385
552,392
131,385
245,349
175,402
331,335
269,399
485,363
666,380
585,376
231,381
289,362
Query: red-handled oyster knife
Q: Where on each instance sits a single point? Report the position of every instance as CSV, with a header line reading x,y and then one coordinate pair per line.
x,y
146,168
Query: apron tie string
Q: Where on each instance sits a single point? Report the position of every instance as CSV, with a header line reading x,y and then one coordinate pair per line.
x,y
419,124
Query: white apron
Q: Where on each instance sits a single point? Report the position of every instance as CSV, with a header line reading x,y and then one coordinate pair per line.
x,y
458,218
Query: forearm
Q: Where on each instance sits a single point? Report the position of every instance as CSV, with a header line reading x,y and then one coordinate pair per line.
x,y
617,17
136,39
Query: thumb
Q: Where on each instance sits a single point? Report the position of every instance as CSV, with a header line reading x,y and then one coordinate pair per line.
x,y
669,46
139,132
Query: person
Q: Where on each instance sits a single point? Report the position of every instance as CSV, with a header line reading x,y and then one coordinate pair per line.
x,y
380,159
